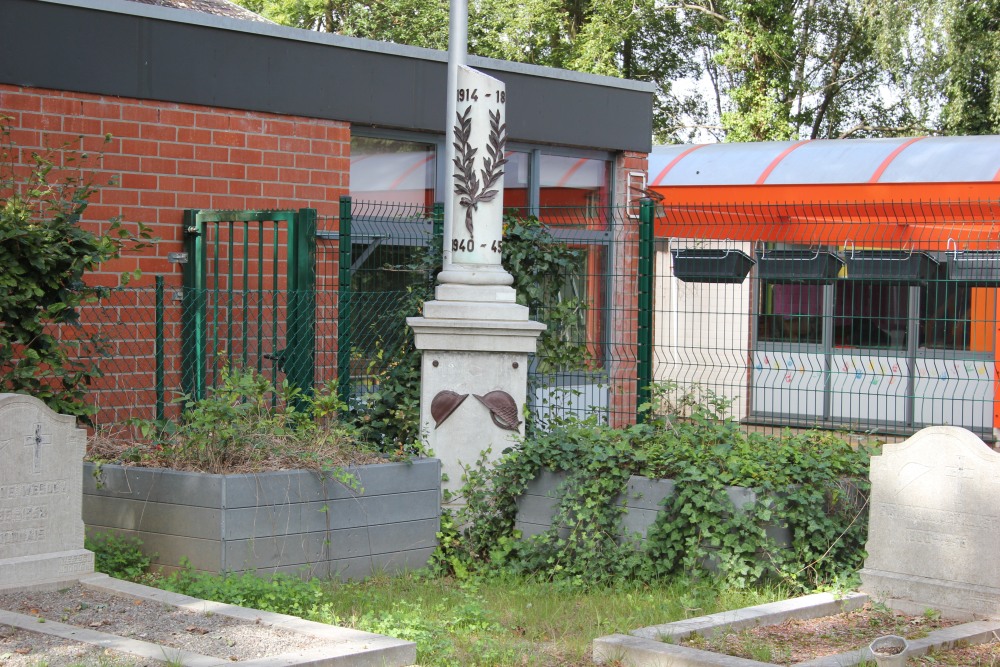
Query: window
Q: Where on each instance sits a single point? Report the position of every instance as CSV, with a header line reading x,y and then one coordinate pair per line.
x,y
393,171
870,314
569,184
517,183
957,316
791,313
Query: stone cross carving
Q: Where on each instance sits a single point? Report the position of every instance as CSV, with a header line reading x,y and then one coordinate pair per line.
x,y
36,441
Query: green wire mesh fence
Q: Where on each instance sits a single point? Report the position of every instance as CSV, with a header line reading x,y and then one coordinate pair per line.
x,y
862,317
374,265
868,317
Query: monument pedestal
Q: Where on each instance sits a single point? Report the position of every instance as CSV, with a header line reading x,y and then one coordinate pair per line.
x,y
474,374
45,571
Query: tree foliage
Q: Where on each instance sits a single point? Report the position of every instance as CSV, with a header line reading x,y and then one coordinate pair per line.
x,y
946,54
734,70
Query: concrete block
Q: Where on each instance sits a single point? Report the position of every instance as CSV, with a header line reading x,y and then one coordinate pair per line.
x,y
649,494
149,517
536,509
395,537
153,484
298,549
400,507
292,521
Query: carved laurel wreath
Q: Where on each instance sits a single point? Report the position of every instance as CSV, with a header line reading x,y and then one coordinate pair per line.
x,y
467,183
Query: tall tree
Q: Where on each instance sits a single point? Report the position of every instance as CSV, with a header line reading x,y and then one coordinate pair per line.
x,y
782,69
631,38
946,55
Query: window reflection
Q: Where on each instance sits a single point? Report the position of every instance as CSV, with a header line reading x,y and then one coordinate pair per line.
x,y
574,191
392,171
516,183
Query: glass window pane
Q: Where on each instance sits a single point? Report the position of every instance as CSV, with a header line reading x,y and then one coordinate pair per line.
x,y
516,180
955,316
791,313
574,191
392,171
870,314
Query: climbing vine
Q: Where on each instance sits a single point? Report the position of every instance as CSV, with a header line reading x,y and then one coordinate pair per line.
x,y
812,484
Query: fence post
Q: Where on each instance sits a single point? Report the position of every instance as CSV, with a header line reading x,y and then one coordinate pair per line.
x,y
437,238
301,337
159,348
193,308
344,296
644,352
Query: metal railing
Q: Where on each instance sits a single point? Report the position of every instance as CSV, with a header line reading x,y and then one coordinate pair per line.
x,y
374,266
873,317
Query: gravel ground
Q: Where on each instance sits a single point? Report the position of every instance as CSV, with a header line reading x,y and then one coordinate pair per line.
x,y
207,634
800,640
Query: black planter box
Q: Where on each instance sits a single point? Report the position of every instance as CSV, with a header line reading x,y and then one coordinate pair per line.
x,y
798,266
980,268
699,265
892,266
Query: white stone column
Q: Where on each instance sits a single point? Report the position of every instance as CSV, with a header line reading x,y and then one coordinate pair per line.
x,y
474,337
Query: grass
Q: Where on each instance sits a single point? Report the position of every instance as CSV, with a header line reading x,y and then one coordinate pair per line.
x,y
502,620
494,620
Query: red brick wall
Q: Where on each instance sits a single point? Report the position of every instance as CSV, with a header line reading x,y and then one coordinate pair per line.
x,y
625,317
165,158
170,157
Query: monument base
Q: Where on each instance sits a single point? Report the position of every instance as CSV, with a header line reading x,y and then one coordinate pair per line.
x,y
913,594
51,570
473,386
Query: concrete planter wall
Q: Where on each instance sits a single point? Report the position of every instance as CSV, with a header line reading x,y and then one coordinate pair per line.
x,y
288,521
642,500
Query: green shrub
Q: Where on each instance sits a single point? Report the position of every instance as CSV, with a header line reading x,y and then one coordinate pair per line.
x,y
46,255
119,557
816,483
247,424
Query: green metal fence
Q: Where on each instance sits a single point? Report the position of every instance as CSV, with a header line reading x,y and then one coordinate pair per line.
x,y
244,300
249,295
878,318
856,317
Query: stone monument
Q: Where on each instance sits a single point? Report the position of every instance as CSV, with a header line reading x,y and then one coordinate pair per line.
x,y
41,494
474,337
934,533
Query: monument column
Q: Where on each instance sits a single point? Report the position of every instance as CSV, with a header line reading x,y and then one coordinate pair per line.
x,y
474,338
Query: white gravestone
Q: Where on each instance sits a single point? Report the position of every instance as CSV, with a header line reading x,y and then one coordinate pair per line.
x,y
41,494
934,533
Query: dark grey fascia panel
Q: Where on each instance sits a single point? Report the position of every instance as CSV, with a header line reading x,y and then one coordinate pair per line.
x,y
114,47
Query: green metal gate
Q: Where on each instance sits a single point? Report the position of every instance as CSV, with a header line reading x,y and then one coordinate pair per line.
x,y
249,296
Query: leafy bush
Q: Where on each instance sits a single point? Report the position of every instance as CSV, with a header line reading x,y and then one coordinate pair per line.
x,y
815,483
119,557
246,424
45,255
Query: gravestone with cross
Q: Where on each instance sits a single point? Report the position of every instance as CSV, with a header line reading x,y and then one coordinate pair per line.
x,y
934,532
41,494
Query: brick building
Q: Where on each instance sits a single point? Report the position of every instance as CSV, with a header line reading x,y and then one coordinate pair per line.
x,y
209,112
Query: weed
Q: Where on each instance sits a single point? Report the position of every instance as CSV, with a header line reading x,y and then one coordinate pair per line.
x,y
117,556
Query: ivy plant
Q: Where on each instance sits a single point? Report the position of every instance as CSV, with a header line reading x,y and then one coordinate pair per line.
x,y
813,484
46,255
